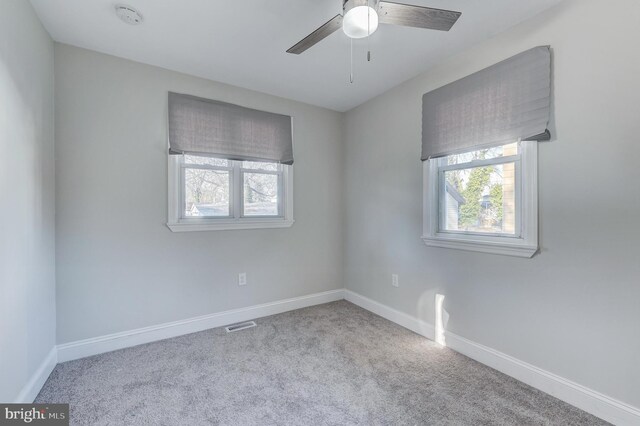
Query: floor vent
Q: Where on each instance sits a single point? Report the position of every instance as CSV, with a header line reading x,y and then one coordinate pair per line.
x,y
240,326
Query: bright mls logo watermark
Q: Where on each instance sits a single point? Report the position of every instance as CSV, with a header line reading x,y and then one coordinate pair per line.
x,y
34,414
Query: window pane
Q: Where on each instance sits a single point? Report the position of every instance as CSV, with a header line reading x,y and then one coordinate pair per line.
x,y
484,154
256,165
260,194
480,199
206,193
210,161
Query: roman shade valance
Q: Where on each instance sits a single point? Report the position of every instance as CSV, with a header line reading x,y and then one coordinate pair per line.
x,y
506,102
206,127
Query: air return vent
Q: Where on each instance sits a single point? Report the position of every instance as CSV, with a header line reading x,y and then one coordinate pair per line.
x,y
240,326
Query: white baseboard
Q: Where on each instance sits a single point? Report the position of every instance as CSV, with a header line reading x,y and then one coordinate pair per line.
x,y
607,408
111,342
35,383
407,321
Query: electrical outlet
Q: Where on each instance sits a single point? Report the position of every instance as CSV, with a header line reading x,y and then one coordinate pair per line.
x,y
242,278
394,280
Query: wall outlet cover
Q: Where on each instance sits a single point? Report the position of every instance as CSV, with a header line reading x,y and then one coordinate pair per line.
x,y
394,280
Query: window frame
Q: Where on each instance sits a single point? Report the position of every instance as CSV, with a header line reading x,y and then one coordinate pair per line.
x,y
178,222
524,243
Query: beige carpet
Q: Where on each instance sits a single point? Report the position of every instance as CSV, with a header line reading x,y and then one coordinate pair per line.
x,y
333,364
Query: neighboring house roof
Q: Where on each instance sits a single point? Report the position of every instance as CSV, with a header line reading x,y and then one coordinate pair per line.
x,y
455,194
208,209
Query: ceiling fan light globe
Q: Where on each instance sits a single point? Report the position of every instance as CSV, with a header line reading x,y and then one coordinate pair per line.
x,y
355,25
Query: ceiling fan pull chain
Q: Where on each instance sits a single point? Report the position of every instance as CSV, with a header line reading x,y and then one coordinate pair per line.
x,y
368,31
351,60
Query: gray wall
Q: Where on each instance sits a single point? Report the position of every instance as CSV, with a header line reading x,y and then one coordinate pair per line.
x,y
27,272
118,266
572,309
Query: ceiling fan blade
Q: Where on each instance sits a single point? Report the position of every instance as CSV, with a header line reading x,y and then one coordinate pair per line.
x,y
325,30
416,16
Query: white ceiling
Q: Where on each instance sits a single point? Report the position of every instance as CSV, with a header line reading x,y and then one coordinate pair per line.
x,y
244,42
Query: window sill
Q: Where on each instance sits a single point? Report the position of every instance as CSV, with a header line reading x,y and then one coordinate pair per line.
x,y
483,246
228,225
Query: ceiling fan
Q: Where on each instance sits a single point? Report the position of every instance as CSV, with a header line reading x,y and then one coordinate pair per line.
x,y
360,19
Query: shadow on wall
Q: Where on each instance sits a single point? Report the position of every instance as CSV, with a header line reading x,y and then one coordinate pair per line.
x,y
17,125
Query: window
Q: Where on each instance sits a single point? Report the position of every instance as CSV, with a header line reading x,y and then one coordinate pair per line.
x,y
483,200
207,193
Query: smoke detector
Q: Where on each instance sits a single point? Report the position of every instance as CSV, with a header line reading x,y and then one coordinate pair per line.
x,y
128,14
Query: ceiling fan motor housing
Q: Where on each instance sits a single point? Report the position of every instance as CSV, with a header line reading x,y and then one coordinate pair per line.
x,y
350,4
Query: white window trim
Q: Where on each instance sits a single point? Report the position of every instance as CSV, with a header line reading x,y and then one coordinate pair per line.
x,y
178,224
525,245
